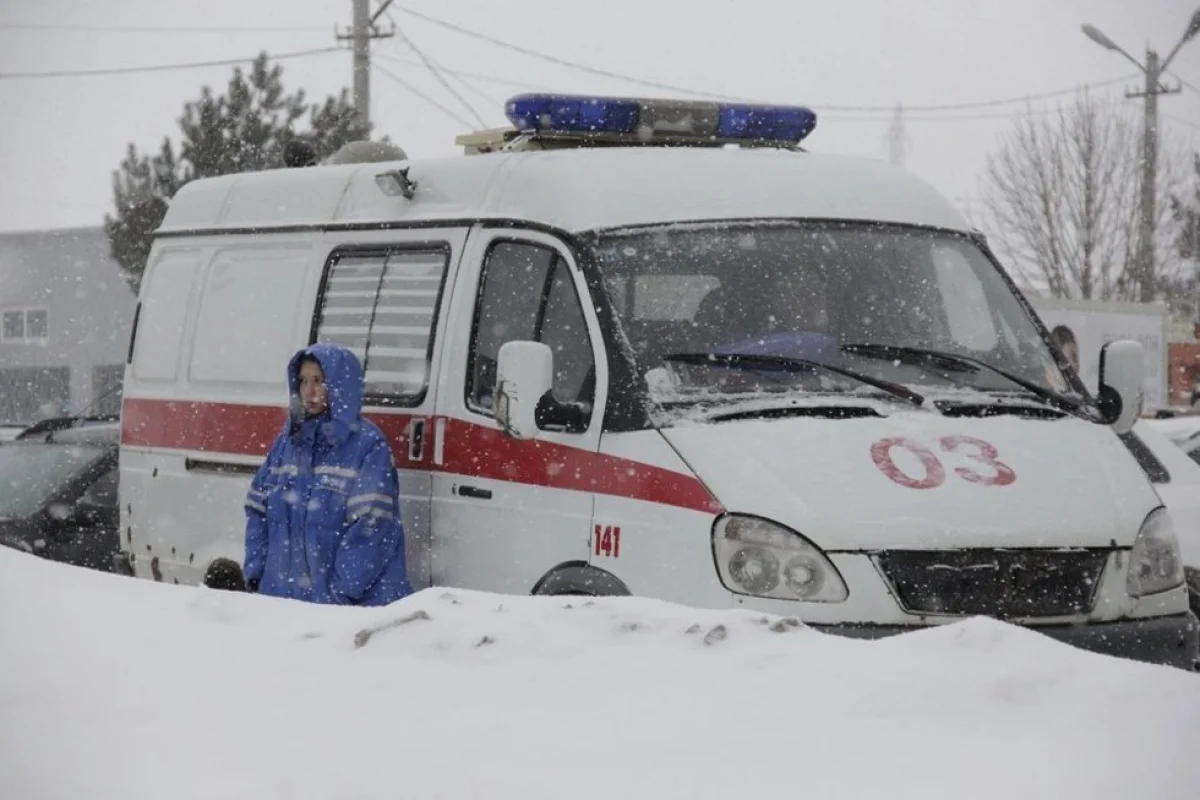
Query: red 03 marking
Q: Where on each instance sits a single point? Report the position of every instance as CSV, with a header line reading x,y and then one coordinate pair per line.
x,y
997,473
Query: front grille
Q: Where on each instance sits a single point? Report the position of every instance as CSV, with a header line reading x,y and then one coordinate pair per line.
x,y
994,583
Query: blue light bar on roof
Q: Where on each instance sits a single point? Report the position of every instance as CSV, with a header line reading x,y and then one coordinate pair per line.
x,y
650,118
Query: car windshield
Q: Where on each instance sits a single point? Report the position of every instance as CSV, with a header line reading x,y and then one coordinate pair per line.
x,y
31,473
891,302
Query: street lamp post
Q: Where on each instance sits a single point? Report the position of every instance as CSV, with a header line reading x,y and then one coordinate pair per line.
x,y
1153,70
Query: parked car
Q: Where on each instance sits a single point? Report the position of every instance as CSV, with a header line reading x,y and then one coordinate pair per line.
x,y
1183,430
1176,427
1191,447
1176,477
58,491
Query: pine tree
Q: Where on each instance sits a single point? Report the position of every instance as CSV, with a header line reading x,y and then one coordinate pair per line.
x,y
249,127
141,188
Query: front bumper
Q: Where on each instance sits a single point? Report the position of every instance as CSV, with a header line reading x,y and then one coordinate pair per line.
x,y
1173,641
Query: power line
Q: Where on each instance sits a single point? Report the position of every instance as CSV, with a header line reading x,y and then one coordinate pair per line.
x,y
518,84
433,68
80,73
684,90
554,59
490,101
1041,112
1177,77
1181,120
448,112
1008,101
33,26
836,117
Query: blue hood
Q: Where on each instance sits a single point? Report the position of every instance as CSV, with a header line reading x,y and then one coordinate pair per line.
x,y
343,381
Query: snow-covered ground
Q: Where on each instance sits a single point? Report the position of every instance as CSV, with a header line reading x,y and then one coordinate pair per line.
x,y
123,689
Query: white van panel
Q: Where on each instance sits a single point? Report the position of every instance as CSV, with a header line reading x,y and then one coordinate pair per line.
x,y
219,320
165,299
188,517
291,194
654,530
260,283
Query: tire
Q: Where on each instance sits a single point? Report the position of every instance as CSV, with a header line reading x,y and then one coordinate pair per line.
x,y
581,580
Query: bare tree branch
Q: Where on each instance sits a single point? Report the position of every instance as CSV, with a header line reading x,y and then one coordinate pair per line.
x,y
1063,193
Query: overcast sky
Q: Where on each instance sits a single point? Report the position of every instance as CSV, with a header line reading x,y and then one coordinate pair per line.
x,y
62,137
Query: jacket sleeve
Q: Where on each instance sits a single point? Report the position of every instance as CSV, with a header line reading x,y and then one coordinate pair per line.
x,y
256,523
374,530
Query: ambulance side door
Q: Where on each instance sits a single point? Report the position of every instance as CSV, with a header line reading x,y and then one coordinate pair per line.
x,y
505,512
383,295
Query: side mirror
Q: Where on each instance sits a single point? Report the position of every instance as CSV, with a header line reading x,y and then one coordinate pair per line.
x,y
524,374
1122,380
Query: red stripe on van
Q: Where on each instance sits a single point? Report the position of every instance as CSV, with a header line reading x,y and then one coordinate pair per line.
x,y
470,450
476,450
211,427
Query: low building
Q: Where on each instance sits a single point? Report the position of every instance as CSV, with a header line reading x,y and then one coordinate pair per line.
x,y
65,314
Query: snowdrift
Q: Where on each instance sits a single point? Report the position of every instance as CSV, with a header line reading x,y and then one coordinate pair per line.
x,y
124,689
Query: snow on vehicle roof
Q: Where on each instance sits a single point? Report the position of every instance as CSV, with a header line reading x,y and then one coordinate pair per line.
x,y
574,190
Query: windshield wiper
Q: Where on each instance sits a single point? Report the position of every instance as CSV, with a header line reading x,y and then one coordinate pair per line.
x,y
961,363
735,360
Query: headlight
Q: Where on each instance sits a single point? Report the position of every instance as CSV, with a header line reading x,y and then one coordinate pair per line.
x,y
764,559
1154,563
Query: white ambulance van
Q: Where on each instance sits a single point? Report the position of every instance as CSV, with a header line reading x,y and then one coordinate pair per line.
x,y
656,348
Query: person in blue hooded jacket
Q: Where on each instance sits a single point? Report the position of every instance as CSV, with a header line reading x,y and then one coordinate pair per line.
x,y
323,512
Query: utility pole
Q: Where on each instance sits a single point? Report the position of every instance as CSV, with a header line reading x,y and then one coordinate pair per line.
x,y
360,35
1154,71
897,138
1149,169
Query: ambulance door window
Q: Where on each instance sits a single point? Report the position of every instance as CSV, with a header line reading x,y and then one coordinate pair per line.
x,y
383,307
510,297
564,329
528,294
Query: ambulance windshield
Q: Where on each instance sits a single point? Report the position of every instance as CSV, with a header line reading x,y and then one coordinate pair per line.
x,y
908,306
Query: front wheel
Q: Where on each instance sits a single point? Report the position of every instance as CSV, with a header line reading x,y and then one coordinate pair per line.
x,y
580,580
